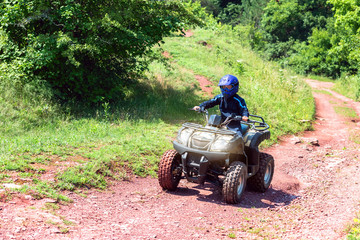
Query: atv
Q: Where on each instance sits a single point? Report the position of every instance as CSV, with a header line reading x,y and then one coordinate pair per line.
x,y
212,153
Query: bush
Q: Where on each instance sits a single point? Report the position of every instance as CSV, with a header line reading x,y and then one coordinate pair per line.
x,y
87,49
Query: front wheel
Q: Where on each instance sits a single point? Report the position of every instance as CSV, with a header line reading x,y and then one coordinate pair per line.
x,y
234,182
170,170
261,181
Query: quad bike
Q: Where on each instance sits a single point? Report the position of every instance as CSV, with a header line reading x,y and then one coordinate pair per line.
x,y
215,154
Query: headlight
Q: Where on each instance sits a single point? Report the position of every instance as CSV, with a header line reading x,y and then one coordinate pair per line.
x,y
222,144
183,135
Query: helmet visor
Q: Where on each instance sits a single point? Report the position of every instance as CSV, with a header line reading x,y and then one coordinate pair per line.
x,y
226,87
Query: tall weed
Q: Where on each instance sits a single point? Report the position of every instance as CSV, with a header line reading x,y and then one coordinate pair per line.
x,y
349,86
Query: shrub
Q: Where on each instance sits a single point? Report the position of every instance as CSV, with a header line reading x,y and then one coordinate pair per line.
x,y
87,49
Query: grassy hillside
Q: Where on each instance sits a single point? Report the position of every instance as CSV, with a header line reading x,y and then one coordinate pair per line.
x,y
284,100
57,147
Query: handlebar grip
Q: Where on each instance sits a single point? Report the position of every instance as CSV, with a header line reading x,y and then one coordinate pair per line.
x,y
238,118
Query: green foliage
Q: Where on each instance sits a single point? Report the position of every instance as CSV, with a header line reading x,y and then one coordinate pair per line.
x,y
346,42
231,14
24,103
87,50
281,20
253,11
225,3
285,23
347,112
211,6
333,50
311,37
354,233
314,56
236,12
349,86
319,37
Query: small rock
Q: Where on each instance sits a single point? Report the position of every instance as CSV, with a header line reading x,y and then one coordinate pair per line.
x,y
22,180
11,185
309,148
50,200
27,197
296,140
55,230
202,43
315,142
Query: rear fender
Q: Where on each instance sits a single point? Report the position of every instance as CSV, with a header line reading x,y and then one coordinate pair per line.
x,y
252,141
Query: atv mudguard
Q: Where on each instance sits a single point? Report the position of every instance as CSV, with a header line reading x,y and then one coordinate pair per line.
x,y
252,141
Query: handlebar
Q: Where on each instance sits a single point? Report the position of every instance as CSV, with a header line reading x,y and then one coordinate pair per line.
x,y
202,111
258,125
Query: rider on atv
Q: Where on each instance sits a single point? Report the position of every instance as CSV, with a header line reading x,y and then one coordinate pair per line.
x,y
230,103
211,153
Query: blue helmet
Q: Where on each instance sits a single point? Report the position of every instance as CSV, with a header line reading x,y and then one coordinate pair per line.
x,y
229,80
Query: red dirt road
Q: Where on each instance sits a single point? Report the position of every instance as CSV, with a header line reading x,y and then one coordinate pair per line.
x,y
315,193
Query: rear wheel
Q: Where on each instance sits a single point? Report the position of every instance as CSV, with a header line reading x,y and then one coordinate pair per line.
x,y
261,181
234,182
170,171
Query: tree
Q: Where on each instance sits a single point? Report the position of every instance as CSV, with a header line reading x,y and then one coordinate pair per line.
x,y
253,11
211,6
346,40
87,49
286,22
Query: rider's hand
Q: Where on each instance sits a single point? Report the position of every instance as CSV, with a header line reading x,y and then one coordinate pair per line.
x,y
196,108
245,118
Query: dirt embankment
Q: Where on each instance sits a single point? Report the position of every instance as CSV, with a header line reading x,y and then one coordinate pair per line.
x,y
314,195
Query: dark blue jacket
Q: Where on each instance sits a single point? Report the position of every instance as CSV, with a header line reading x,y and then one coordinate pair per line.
x,y
234,104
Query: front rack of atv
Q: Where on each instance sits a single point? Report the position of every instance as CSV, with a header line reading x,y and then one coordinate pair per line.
x,y
205,129
252,124
257,125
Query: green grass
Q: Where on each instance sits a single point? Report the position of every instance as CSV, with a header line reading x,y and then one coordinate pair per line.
x,y
348,86
89,145
323,92
319,78
355,136
345,111
354,230
232,235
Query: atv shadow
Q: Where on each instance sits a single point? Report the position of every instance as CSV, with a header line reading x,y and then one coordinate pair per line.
x,y
272,198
